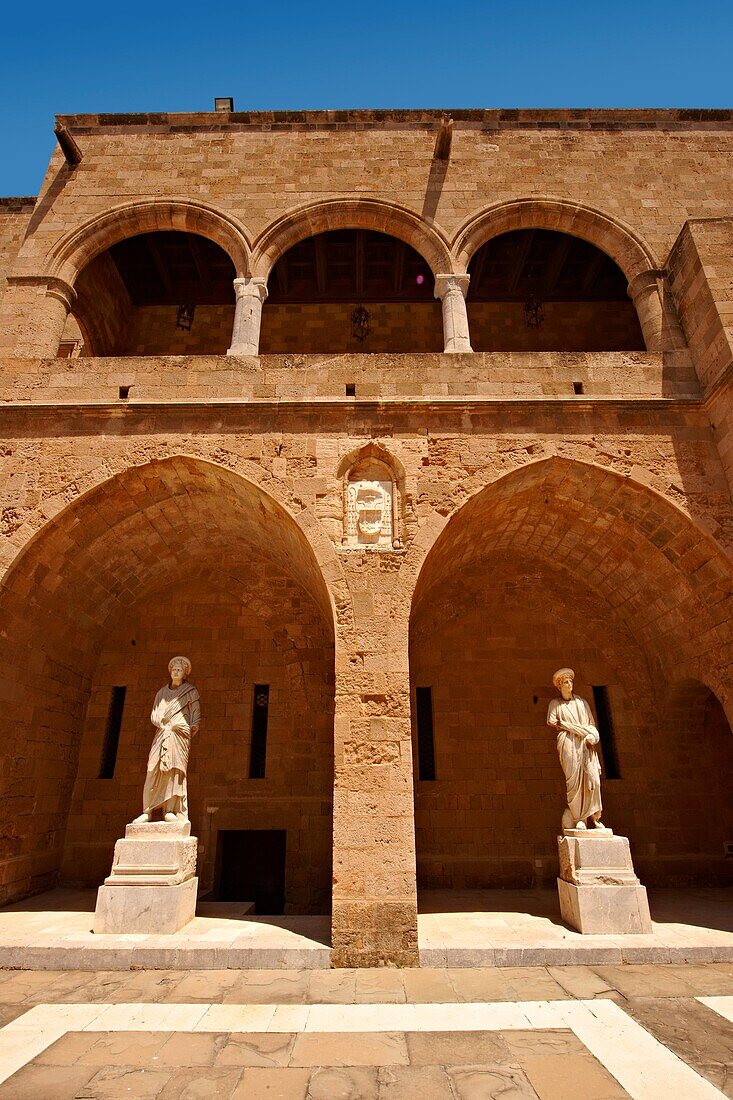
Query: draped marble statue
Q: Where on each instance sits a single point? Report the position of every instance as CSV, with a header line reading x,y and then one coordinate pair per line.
x,y
176,716
577,747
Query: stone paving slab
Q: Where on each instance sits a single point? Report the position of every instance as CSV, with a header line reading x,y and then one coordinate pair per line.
x,y
649,1032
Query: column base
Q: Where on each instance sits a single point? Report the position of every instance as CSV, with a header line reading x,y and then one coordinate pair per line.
x,y
150,910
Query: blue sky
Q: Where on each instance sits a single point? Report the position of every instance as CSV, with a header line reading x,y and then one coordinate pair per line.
x,y
164,56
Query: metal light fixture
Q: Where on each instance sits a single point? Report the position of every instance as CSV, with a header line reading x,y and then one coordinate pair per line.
x,y
534,312
184,317
361,324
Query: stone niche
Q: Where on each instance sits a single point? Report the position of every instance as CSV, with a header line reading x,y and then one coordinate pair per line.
x,y
371,504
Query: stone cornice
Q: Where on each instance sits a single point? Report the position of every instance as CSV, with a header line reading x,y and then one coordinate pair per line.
x,y
480,119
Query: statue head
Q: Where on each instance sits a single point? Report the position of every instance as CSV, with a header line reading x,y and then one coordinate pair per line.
x,y
179,669
563,681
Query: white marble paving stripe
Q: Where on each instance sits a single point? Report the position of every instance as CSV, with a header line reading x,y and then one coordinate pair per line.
x,y
639,1062
722,1005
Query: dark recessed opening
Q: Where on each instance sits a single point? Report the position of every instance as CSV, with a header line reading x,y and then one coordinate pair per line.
x,y
425,739
250,866
351,389
578,387
112,733
258,744
606,731
124,392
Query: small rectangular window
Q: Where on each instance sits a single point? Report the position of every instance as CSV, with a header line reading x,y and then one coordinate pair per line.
x,y
578,388
258,745
112,733
425,741
605,729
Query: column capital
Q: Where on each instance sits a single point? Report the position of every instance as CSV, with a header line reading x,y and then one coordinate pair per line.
x,y
450,284
57,288
645,281
251,288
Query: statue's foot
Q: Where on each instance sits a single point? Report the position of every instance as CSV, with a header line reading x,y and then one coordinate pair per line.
x,y
170,817
142,820
581,825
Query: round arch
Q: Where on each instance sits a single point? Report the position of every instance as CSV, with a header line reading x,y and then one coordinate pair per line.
x,y
183,554
350,213
81,245
610,235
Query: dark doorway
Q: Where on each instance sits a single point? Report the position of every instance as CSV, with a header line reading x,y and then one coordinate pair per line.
x,y
250,866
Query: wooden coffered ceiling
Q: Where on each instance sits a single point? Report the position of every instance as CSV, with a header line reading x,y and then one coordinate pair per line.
x,y
350,265
357,265
172,268
551,266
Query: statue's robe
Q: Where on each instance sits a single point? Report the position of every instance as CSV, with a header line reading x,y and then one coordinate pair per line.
x,y
175,712
580,761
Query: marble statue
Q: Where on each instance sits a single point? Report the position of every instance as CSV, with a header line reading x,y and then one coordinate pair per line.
x,y
577,747
176,716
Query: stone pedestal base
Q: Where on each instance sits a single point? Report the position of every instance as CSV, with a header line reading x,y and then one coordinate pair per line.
x,y
152,910
599,892
152,886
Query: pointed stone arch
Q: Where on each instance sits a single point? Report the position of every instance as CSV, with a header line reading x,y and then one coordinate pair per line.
x,y
187,528
561,562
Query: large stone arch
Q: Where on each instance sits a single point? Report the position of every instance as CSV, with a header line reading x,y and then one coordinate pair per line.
x,y
561,562
81,245
349,213
100,564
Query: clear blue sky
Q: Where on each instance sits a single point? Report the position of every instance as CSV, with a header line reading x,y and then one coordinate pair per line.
x,y
163,56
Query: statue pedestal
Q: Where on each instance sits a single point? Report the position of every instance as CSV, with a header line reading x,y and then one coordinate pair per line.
x,y
152,886
599,892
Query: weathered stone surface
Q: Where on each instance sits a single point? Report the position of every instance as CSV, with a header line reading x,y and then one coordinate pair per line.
x,y
154,910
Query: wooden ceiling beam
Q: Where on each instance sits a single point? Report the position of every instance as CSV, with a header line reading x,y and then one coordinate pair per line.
x,y
321,263
555,265
593,271
515,272
199,259
398,270
160,265
359,262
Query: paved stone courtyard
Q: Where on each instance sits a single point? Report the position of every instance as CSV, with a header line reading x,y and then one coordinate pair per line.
x,y
553,1033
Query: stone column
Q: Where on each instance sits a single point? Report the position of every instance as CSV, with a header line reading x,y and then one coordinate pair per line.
x,y
644,291
251,294
452,289
374,919
33,315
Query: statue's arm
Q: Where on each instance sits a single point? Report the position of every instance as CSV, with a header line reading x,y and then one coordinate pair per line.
x,y
195,715
552,715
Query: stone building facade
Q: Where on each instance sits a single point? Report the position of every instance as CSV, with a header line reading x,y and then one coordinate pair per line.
x,y
379,432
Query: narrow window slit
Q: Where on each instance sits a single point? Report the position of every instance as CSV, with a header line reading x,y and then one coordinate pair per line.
x,y
112,733
258,745
425,739
605,729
